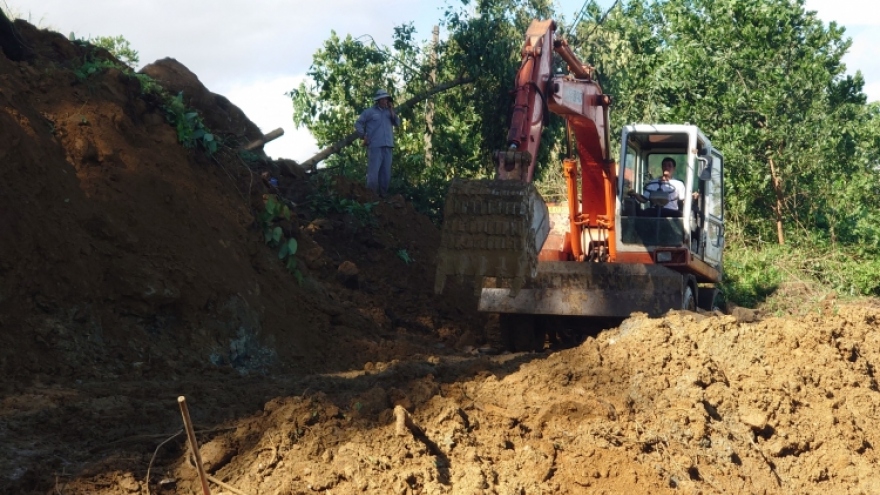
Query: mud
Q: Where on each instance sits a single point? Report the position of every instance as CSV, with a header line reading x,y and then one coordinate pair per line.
x,y
134,271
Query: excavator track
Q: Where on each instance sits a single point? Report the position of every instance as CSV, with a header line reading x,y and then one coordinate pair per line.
x,y
491,228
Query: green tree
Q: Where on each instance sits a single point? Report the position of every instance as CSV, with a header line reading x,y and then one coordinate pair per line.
x,y
757,73
764,79
624,46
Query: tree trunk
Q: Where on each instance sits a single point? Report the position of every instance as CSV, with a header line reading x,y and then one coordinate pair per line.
x,y
311,163
429,107
777,188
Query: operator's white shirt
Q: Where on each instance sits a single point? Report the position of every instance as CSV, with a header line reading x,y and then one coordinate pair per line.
x,y
674,187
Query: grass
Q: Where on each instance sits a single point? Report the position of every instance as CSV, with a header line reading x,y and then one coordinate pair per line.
x,y
794,278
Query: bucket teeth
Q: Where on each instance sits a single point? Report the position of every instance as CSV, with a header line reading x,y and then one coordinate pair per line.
x,y
491,228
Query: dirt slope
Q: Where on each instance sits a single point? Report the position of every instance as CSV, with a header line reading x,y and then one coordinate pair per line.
x,y
133,271
685,403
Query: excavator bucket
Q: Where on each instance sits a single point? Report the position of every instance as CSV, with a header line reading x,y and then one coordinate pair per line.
x,y
491,228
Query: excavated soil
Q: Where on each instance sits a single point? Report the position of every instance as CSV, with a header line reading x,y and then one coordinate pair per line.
x,y
133,271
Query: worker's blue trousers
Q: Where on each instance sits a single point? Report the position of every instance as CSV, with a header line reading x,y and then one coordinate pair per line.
x,y
379,169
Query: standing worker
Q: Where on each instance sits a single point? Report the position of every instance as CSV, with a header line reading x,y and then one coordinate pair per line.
x,y
375,127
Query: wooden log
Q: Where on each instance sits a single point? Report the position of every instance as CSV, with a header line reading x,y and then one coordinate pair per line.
x,y
277,133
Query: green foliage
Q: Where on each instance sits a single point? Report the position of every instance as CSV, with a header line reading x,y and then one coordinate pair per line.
x,y
751,275
789,278
249,157
275,211
361,212
274,235
191,130
119,47
287,254
426,194
149,86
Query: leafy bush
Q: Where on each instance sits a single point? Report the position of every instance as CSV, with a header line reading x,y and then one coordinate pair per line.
x,y
149,86
191,130
93,66
274,210
751,275
119,47
404,255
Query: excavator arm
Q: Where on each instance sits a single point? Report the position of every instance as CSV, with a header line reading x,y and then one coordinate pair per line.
x,y
530,105
576,97
497,228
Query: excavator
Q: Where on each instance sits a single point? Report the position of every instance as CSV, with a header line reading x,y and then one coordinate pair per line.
x,y
615,245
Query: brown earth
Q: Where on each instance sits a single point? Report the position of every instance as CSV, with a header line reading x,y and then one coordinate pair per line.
x,y
134,270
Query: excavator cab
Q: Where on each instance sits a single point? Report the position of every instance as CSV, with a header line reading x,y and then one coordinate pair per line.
x,y
689,235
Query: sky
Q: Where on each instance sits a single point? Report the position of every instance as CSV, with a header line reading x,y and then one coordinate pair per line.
x,y
254,51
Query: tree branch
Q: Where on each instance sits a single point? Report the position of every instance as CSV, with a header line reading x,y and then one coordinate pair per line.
x,y
336,147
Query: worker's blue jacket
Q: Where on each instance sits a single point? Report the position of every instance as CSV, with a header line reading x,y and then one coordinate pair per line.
x,y
376,124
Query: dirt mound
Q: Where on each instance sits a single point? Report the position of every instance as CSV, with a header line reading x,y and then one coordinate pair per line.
x,y
219,113
117,232
134,270
686,403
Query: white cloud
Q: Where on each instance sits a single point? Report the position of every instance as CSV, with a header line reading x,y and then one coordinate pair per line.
x,y
850,13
